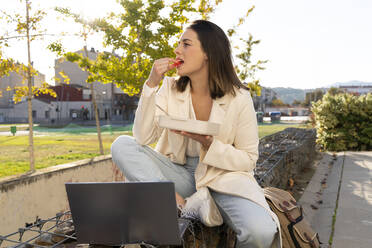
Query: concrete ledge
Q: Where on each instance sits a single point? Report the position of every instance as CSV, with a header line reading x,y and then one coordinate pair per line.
x,y
43,194
8,183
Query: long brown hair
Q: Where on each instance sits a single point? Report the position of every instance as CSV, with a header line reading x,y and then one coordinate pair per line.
x,y
222,78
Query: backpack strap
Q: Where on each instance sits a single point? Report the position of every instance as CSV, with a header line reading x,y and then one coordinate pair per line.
x,y
291,230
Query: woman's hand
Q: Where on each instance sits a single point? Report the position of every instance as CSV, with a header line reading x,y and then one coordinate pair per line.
x,y
204,140
180,201
159,68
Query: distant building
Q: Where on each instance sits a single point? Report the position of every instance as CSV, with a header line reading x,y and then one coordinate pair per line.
x,y
15,79
11,112
356,88
289,111
18,112
266,97
112,102
72,103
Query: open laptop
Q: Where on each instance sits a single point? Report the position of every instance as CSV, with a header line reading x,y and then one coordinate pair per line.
x,y
119,213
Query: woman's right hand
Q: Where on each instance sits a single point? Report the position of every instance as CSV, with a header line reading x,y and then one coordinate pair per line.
x,y
159,68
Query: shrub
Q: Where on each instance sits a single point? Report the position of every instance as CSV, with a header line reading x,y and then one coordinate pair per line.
x,y
344,122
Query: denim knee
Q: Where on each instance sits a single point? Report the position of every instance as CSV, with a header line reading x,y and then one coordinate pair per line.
x,y
121,142
261,235
121,148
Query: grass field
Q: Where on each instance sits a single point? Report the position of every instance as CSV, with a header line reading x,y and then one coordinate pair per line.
x,y
66,145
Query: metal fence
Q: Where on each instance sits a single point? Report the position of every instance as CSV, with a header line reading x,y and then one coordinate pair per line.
x,y
52,232
282,155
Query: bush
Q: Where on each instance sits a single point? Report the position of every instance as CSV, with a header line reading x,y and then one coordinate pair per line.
x,y
344,122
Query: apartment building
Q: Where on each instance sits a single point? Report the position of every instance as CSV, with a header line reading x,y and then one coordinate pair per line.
x,y
11,112
266,97
112,102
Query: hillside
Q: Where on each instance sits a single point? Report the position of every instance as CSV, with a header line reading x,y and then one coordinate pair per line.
x,y
288,95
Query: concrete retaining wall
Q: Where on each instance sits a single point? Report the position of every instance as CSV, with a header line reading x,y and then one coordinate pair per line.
x,y
43,193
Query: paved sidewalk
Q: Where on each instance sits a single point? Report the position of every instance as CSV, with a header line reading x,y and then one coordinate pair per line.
x,y
338,200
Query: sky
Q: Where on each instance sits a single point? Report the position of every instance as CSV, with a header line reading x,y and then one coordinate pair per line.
x,y
309,44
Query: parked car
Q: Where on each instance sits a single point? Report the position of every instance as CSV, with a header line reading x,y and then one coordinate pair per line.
x,y
275,116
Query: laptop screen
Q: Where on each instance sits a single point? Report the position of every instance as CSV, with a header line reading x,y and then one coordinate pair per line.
x,y
118,213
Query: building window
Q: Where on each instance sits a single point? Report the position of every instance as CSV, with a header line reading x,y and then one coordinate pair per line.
x,y
74,113
47,113
86,94
33,113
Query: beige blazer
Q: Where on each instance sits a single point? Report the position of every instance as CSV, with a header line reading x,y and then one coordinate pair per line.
x,y
227,166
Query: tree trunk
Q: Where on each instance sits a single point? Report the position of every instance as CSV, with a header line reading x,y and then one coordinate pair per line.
x,y
29,97
97,119
95,110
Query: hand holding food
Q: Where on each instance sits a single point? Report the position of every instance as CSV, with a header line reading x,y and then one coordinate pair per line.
x,y
159,68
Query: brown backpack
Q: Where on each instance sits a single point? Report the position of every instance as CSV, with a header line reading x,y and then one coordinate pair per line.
x,y
296,232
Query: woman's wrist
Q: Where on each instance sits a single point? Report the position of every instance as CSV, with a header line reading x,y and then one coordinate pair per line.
x,y
208,142
151,84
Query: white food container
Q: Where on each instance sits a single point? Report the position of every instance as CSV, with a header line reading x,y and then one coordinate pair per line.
x,y
192,126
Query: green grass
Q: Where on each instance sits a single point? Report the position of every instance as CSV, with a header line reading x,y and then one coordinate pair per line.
x,y
67,145
265,129
49,150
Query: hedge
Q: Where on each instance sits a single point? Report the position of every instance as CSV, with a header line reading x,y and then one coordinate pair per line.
x,y
344,122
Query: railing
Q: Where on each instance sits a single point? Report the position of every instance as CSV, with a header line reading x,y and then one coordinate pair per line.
x,y
58,230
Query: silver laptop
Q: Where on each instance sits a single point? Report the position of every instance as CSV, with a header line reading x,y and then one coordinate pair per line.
x,y
119,213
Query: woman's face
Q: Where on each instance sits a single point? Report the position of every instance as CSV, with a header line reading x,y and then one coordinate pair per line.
x,y
190,52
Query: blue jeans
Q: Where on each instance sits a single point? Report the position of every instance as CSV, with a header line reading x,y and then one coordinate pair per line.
x,y
252,223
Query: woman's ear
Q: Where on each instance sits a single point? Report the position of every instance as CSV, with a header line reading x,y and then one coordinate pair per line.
x,y
205,56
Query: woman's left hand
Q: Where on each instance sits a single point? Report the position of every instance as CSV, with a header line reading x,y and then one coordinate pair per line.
x,y
204,140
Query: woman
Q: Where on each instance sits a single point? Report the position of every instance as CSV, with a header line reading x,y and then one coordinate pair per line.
x,y
208,89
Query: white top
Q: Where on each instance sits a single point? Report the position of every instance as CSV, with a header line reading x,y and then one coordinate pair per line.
x,y
193,147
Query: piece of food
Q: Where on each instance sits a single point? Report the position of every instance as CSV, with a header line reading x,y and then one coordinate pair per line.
x,y
177,63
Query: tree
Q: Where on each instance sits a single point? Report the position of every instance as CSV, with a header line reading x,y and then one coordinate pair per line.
x,y
313,96
28,27
141,35
296,102
278,102
335,91
83,62
246,69
6,66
